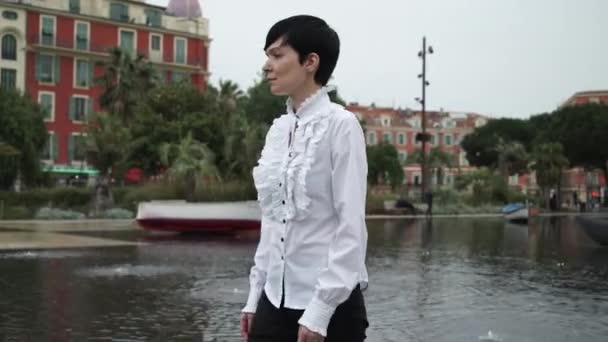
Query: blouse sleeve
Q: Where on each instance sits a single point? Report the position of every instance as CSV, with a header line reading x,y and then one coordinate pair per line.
x,y
347,249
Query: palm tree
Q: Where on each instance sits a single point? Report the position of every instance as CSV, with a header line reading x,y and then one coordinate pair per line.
x,y
106,147
548,162
229,96
512,157
191,161
243,143
126,81
437,160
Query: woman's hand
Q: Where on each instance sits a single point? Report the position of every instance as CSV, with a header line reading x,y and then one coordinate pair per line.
x,y
246,323
305,335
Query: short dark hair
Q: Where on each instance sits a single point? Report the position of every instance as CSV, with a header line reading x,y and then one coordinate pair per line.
x,y
307,34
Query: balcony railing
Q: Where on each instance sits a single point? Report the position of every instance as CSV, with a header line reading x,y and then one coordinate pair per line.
x,y
71,44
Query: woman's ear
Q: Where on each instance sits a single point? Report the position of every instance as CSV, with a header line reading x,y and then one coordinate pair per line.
x,y
311,63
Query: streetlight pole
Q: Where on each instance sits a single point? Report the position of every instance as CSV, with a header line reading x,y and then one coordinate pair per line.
x,y
424,138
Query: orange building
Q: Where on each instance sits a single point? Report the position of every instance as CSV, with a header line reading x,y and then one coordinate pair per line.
x,y
583,97
399,128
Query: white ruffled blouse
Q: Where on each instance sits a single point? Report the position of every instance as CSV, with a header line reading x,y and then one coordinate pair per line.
x,y
311,181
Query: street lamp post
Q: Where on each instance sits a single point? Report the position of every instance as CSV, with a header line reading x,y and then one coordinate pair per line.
x,y
424,137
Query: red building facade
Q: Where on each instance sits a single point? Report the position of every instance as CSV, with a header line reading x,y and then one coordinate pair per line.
x,y
65,42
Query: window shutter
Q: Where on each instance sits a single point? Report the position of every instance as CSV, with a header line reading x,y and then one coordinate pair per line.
x,y
57,70
38,67
54,151
89,109
70,148
91,73
72,109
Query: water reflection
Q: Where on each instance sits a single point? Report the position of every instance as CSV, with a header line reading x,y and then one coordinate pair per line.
x,y
430,280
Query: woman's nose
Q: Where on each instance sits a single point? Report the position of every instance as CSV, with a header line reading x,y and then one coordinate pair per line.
x,y
266,67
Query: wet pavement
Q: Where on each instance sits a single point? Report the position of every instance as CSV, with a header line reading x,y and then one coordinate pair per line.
x,y
449,279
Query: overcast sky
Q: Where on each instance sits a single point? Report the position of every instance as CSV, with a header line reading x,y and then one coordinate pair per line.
x,y
502,58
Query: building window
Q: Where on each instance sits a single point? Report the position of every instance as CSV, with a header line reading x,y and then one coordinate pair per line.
x,y
77,147
594,100
401,139
47,104
8,78
83,73
47,32
154,18
127,40
9,47
371,138
448,140
155,42
82,36
514,179
386,122
119,12
180,50
433,140
79,108
50,148
47,69
402,156
10,15
386,137
416,180
177,76
75,6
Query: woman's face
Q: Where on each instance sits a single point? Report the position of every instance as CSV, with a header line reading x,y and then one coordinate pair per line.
x,y
284,71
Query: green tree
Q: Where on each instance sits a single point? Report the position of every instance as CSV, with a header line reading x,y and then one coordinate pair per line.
x,y
512,158
23,137
190,161
482,145
437,160
581,130
486,187
126,82
261,105
170,112
107,148
548,162
383,165
230,96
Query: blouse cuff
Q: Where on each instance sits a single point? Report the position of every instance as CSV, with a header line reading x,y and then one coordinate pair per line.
x,y
317,315
254,297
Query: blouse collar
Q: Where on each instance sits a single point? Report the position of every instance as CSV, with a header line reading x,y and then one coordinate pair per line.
x,y
311,106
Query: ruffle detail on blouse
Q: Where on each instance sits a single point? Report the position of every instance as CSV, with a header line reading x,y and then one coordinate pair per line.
x,y
273,169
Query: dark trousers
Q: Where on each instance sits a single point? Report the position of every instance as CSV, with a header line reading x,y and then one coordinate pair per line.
x,y
271,324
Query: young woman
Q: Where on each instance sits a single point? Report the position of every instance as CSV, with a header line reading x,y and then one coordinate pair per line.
x,y
309,267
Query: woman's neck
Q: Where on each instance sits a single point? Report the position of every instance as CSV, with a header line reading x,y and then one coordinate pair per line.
x,y
302,94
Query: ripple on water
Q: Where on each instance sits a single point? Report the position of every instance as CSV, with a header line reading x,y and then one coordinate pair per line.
x,y
51,254
128,270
